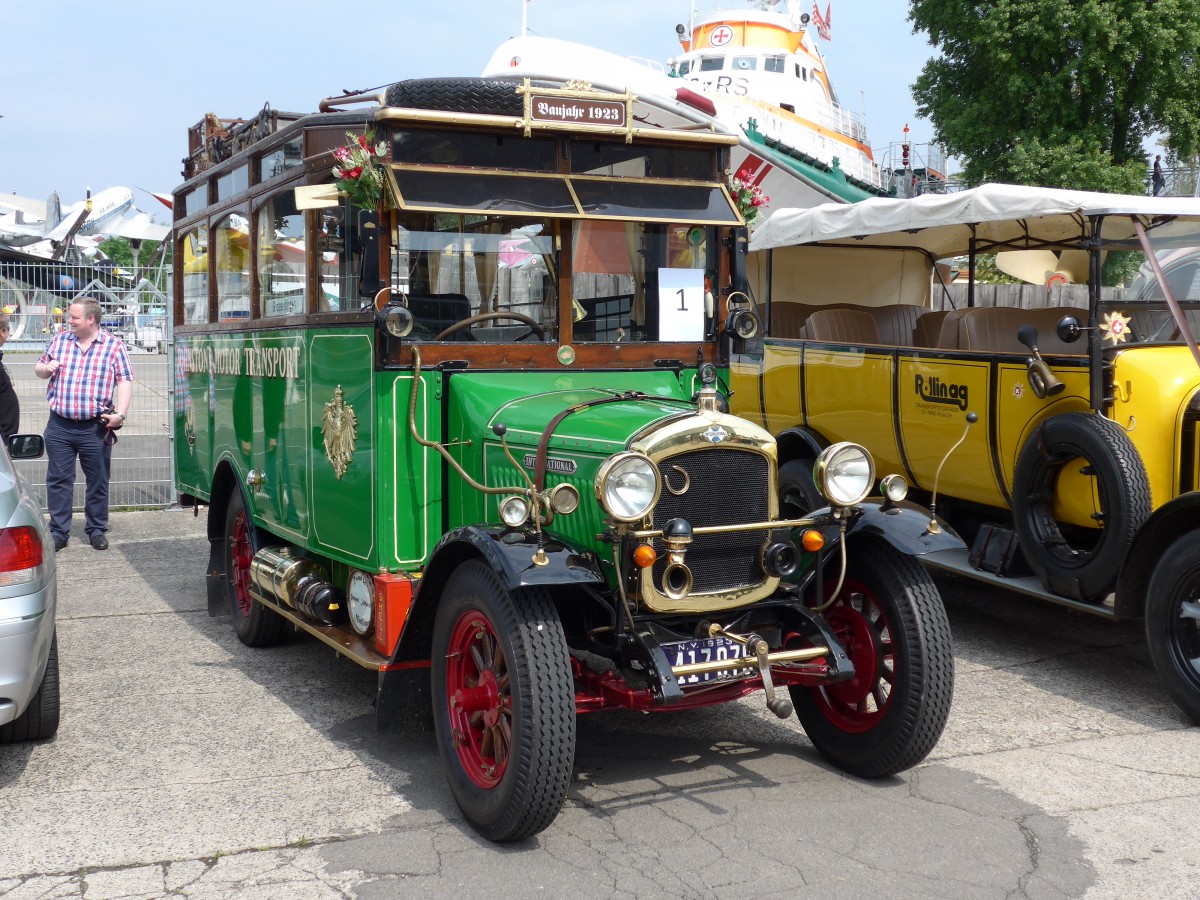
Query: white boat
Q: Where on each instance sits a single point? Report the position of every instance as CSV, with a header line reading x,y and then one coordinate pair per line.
x,y
751,68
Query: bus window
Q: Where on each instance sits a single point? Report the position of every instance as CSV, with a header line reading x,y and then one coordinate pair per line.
x,y
280,160
281,256
340,245
617,270
454,266
193,251
231,237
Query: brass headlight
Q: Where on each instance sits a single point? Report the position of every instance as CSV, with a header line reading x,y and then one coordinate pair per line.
x,y
514,511
844,473
627,486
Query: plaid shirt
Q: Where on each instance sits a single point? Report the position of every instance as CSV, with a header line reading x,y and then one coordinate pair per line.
x,y
83,387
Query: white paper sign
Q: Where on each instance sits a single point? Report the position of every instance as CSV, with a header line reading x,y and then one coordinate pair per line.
x,y
681,304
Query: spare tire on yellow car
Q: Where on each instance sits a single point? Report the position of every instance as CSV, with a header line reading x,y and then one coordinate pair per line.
x,y
1073,559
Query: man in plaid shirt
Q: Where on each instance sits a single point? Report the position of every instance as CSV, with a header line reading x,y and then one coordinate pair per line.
x,y
91,385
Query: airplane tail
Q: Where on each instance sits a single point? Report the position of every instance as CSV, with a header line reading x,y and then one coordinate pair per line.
x,y
53,212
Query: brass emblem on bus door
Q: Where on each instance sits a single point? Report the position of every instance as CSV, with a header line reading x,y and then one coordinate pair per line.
x,y
339,427
189,422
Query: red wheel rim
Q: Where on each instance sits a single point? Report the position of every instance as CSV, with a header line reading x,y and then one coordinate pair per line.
x,y
241,554
479,699
866,634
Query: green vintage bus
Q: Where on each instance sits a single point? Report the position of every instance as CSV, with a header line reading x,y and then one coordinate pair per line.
x,y
450,369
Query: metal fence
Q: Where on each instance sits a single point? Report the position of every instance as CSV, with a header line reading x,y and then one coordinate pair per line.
x,y
135,305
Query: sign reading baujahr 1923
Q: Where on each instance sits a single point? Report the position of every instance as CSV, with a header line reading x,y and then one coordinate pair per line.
x,y
576,112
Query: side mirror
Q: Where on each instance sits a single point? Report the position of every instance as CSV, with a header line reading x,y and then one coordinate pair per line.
x,y
26,446
1069,329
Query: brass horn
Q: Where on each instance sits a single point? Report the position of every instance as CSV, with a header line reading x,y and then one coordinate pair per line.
x,y
1043,382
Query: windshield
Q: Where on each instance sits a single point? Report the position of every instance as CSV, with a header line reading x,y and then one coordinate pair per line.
x,y
498,279
1175,244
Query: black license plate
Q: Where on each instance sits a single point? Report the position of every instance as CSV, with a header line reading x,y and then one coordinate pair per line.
x,y
685,653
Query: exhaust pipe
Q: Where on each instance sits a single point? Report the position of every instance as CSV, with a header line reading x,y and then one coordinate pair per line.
x,y
279,575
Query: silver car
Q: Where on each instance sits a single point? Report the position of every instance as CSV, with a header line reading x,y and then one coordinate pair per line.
x,y
28,595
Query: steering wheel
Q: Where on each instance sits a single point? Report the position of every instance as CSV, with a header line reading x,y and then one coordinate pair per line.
x,y
534,326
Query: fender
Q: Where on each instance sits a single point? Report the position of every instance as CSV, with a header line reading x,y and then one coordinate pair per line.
x,y
800,442
1168,522
904,525
510,554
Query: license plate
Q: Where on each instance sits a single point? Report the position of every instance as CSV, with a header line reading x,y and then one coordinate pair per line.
x,y
684,653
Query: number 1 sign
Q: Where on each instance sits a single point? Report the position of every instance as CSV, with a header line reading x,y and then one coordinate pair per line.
x,y
681,304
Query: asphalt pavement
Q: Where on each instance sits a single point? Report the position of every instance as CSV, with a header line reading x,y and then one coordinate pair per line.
x,y
188,765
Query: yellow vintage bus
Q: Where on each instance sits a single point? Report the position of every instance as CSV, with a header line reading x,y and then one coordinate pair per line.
x,y
1063,443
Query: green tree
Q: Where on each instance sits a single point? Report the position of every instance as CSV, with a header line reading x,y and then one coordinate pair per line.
x,y
1060,93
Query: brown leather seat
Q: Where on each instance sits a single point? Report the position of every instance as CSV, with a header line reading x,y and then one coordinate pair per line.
x,y
896,323
994,330
928,327
843,326
787,319
948,334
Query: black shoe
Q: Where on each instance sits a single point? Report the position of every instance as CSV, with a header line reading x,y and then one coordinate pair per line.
x,y
99,541
59,543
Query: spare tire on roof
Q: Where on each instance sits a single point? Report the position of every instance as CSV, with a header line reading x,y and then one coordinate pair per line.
x,y
481,96
1077,562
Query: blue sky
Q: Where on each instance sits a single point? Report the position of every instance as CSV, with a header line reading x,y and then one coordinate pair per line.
x,y
102,94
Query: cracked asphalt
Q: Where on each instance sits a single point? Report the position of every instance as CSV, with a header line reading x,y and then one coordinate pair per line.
x,y
190,766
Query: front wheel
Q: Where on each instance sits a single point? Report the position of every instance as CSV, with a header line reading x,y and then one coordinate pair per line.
x,y
890,620
1173,623
503,703
798,494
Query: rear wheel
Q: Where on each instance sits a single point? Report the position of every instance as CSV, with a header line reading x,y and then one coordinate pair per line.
x,y
256,626
1173,623
891,623
503,703
40,719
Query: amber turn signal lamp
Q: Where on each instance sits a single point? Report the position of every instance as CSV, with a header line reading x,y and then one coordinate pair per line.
x,y
644,556
812,540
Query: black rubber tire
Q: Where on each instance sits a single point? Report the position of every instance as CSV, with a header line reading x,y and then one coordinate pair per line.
x,y
798,494
486,96
257,626
531,790
1172,636
1077,562
529,635
40,719
899,733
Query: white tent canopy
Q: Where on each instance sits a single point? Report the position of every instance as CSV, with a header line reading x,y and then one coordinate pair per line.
x,y
943,224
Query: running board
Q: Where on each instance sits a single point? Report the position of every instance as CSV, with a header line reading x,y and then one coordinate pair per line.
x,y
956,561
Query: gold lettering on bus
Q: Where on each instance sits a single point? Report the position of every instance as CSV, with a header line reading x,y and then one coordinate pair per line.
x,y
257,362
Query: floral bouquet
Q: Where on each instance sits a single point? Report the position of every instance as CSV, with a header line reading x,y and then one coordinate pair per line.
x,y
748,197
354,166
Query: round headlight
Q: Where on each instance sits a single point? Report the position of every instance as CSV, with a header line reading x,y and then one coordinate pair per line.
x,y
627,486
564,499
514,511
844,473
894,487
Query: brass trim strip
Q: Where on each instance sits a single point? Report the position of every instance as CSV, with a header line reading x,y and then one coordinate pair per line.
x,y
372,661
748,662
403,114
729,529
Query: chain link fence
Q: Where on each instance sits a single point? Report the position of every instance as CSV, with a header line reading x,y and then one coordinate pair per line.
x,y
135,308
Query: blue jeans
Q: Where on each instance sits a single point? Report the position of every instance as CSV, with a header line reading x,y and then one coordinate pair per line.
x,y
67,439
